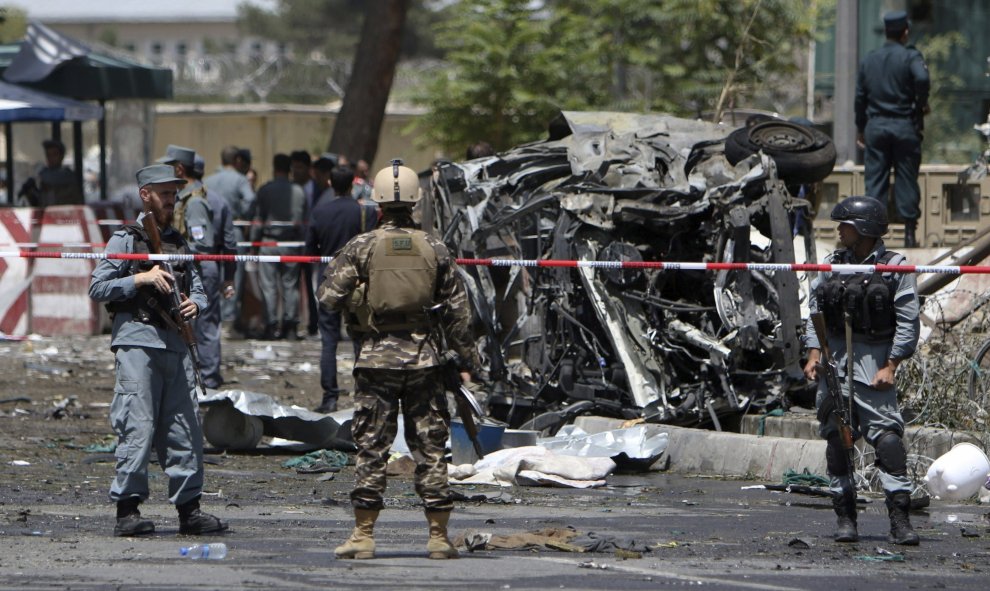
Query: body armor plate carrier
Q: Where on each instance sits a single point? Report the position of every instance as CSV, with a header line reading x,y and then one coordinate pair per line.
x,y
402,283
138,306
869,298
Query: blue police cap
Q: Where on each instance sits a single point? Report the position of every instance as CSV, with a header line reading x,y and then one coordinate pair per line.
x,y
895,20
178,154
157,173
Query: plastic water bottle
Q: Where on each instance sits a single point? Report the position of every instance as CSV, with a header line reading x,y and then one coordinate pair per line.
x,y
215,551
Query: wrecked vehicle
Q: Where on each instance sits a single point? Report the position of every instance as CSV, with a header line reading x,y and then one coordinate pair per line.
x,y
670,346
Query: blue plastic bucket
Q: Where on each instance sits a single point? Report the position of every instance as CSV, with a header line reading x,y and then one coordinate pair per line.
x,y
461,448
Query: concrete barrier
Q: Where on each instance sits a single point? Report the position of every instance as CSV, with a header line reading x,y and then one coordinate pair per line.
x,y
60,303
17,225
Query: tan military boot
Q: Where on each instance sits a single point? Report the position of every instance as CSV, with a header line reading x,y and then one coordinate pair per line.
x,y
361,544
439,546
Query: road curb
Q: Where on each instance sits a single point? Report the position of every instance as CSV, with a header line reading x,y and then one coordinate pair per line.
x,y
923,441
720,453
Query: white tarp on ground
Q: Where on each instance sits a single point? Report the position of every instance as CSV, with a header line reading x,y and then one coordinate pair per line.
x,y
292,423
533,466
634,443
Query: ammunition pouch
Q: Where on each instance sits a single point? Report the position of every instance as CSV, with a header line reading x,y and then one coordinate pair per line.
x,y
869,300
357,312
139,307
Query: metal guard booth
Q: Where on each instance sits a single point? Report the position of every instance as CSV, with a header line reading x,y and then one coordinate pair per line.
x,y
96,76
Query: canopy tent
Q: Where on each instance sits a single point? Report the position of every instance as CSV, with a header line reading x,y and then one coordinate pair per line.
x,y
63,66
98,77
23,104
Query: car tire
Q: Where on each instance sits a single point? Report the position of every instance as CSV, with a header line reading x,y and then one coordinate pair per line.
x,y
802,154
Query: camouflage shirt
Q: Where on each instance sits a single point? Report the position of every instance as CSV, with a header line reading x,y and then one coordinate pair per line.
x,y
401,349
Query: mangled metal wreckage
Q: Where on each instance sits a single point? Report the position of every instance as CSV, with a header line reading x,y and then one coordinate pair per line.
x,y
670,346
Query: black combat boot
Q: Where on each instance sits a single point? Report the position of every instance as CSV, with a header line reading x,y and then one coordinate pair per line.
x,y
192,521
901,532
289,330
129,520
910,240
845,509
272,332
328,404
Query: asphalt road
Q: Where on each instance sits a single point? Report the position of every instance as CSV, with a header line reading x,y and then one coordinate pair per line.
x,y
703,533
56,521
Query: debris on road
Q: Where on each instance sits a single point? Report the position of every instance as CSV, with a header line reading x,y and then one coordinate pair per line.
x,y
318,462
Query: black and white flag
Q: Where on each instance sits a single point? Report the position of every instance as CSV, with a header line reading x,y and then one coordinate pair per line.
x,y
41,52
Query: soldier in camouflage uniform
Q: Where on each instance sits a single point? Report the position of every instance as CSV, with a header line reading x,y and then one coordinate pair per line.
x,y
386,280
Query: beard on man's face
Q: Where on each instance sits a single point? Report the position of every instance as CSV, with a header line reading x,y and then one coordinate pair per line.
x,y
164,216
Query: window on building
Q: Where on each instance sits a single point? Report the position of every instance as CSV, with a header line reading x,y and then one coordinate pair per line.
x,y
156,48
181,48
963,202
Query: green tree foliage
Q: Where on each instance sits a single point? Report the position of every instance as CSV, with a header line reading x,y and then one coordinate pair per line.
x,y
13,24
513,63
510,66
943,141
332,28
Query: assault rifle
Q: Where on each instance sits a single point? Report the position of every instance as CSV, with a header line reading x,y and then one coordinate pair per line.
x,y
467,407
836,404
172,316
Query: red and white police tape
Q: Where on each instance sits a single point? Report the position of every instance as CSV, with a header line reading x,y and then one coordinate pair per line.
x,y
245,244
657,265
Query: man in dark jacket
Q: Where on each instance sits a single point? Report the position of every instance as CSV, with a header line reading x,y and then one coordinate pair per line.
x,y
891,101
336,219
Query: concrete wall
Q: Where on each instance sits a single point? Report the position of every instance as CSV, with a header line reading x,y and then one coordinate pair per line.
x,y
269,129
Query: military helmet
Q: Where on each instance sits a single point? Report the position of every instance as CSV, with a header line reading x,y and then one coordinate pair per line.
x,y
395,185
866,214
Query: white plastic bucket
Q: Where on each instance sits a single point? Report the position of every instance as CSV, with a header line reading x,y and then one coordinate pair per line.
x,y
959,473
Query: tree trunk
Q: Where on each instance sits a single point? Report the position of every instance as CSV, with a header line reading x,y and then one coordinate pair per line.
x,y
359,122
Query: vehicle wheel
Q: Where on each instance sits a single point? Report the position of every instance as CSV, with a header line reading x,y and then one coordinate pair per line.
x,y
802,154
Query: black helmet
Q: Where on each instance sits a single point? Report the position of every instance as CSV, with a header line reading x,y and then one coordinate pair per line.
x,y
866,214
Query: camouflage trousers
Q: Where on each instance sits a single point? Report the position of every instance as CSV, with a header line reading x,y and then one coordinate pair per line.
x,y
426,420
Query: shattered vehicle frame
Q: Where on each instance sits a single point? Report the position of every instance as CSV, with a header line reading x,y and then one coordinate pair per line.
x,y
671,346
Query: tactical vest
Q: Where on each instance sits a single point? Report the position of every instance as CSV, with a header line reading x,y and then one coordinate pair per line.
x,y
138,306
869,298
402,283
179,213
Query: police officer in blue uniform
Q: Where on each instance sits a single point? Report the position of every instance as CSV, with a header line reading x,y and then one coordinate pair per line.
x,y
154,406
891,101
884,320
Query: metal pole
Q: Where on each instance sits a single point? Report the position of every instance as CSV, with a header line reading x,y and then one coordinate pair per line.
x,y
101,128
77,149
846,65
8,134
57,131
